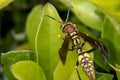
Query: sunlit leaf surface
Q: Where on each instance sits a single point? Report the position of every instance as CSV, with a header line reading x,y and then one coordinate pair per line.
x,y
27,70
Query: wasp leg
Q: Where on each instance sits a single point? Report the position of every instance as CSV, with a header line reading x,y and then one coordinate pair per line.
x,y
105,60
71,49
83,44
61,37
76,67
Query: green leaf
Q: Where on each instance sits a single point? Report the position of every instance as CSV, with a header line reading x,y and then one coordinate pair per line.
x,y
27,70
47,42
32,24
112,29
100,61
7,59
111,7
104,76
118,73
86,12
4,3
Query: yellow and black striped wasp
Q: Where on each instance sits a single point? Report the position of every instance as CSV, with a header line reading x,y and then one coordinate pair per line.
x,y
73,35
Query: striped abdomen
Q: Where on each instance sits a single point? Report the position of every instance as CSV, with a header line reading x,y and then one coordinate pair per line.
x,y
86,64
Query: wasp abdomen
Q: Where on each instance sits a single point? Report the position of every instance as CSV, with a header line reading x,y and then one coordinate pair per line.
x,y
87,65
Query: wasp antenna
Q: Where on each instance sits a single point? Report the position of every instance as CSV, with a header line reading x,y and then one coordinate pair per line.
x,y
53,18
68,13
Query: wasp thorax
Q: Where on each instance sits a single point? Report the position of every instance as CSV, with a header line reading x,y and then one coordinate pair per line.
x,y
67,27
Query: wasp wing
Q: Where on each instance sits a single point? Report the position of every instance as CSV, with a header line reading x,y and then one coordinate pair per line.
x,y
64,49
95,44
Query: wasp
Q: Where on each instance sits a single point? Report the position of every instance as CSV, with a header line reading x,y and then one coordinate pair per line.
x,y
73,35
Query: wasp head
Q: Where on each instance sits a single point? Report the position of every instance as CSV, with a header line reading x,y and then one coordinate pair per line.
x,y
67,27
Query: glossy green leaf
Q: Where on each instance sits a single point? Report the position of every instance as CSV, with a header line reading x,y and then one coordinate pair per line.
x,y
7,59
27,70
118,73
32,24
115,33
100,62
112,33
86,12
47,42
4,3
104,76
110,7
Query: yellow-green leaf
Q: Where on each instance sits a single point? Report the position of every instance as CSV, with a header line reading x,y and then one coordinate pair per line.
x,y
27,70
4,3
11,57
47,42
111,7
32,24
